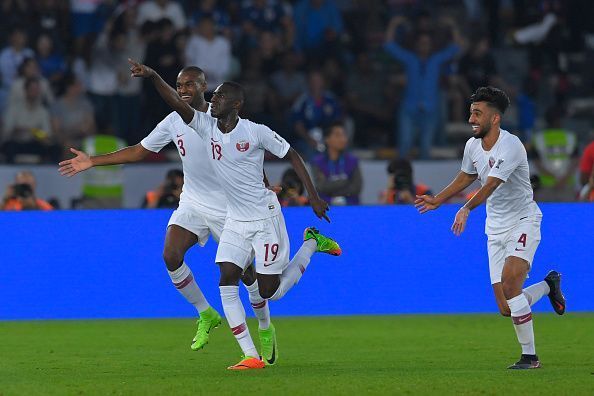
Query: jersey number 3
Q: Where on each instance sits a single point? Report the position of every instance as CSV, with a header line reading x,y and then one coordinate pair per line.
x,y
182,149
216,151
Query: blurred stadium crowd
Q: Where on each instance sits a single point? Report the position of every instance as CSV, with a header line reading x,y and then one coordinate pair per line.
x,y
395,74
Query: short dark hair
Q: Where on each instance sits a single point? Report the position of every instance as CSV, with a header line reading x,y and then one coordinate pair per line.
x,y
192,69
494,97
235,89
328,128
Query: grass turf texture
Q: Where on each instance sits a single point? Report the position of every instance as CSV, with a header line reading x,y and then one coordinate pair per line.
x,y
461,354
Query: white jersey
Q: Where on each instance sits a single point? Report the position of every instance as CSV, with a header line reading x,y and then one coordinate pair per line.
x,y
201,186
507,160
238,160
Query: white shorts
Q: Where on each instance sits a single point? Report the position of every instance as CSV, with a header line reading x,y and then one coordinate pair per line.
x,y
267,238
521,241
197,221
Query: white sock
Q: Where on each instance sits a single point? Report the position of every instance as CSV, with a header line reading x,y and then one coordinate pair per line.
x,y
522,318
183,280
536,292
290,277
235,315
259,305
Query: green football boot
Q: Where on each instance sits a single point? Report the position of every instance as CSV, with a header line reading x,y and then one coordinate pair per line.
x,y
324,243
209,319
268,345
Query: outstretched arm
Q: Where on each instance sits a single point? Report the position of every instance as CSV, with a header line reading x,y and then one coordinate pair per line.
x,y
425,203
319,206
82,161
168,94
478,198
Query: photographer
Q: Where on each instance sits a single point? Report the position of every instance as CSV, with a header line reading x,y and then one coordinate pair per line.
x,y
401,188
168,193
21,194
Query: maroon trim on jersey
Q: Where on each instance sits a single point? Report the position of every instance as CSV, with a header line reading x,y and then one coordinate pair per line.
x,y
302,268
259,305
238,329
184,283
518,320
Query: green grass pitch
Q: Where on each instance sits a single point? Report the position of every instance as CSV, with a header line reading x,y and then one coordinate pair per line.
x,y
409,354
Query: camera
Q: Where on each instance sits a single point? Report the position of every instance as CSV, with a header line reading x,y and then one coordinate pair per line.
x,y
22,190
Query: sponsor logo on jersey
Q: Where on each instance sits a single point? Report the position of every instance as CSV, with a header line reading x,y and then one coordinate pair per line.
x,y
180,135
271,207
499,162
242,146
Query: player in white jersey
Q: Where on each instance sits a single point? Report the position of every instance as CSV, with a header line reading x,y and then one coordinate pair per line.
x,y
498,159
202,209
255,222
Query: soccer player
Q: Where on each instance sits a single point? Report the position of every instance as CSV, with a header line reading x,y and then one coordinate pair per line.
x,y
202,209
255,221
498,159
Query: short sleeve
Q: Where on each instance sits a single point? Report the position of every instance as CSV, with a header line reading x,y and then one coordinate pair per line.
x,y
508,160
467,166
200,123
159,137
271,141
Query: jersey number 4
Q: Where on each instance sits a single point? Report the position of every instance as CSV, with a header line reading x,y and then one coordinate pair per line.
x,y
216,151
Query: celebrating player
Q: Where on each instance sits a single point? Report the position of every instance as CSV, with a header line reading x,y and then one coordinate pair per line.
x,y
498,159
255,221
201,212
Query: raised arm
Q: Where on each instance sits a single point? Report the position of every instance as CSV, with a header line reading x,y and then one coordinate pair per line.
x,y
425,203
82,161
319,206
167,92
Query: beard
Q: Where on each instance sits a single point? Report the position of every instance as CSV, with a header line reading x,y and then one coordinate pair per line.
x,y
482,131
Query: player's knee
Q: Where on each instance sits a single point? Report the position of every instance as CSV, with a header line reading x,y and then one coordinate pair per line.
x,y
509,290
267,292
173,259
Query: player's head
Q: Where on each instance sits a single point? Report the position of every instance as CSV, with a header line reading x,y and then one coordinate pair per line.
x,y
227,98
191,84
486,109
424,45
335,137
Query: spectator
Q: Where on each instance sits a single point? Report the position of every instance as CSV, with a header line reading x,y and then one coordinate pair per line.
x,y
401,187
220,16
318,26
87,17
368,103
30,69
555,161
72,114
22,196
10,58
129,89
256,108
292,193
27,127
587,174
52,17
209,51
336,172
155,10
108,56
420,106
266,16
288,82
168,193
51,62
163,56
311,112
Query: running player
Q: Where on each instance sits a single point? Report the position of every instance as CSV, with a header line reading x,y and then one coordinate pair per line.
x,y
255,221
201,212
498,159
